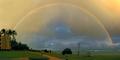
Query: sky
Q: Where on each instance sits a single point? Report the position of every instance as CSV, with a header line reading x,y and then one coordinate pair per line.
x,y
57,24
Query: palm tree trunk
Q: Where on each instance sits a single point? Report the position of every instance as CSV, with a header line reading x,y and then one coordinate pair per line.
x,y
13,37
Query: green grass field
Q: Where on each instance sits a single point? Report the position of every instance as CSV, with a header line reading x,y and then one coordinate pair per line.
x,y
21,54
94,56
16,54
82,56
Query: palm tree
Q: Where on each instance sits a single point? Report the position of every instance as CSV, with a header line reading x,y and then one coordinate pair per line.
x,y
13,34
9,32
3,31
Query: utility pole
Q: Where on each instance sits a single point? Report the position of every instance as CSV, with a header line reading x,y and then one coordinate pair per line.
x,y
78,48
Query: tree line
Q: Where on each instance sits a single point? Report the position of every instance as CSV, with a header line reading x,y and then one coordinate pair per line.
x,y
14,44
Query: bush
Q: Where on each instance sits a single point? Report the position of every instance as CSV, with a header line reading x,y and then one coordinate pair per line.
x,y
18,46
66,51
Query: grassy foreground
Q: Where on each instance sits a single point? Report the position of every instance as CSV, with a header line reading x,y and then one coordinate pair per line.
x,y
17,54
82,56
94,56
21,54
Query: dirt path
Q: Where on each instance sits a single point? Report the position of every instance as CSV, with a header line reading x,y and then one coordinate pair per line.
x,y
52,58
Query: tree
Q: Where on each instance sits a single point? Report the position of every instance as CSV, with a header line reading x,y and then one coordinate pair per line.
x,y
13,34
9,32
3,31
18,46
14,44
66,51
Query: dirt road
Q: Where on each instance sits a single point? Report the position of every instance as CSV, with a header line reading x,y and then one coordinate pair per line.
x,y
52,58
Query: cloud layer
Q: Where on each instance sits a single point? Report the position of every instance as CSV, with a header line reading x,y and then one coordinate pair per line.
x,y
59,26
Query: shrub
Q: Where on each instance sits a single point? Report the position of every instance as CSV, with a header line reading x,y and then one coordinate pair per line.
x,y
66,51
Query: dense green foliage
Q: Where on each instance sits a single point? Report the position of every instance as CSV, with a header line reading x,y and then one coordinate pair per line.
x,y
18,46
66,51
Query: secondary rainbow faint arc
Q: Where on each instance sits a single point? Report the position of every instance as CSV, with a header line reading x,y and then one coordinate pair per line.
x,y
79,7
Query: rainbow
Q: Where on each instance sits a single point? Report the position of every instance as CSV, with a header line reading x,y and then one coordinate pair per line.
x,y
78,7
